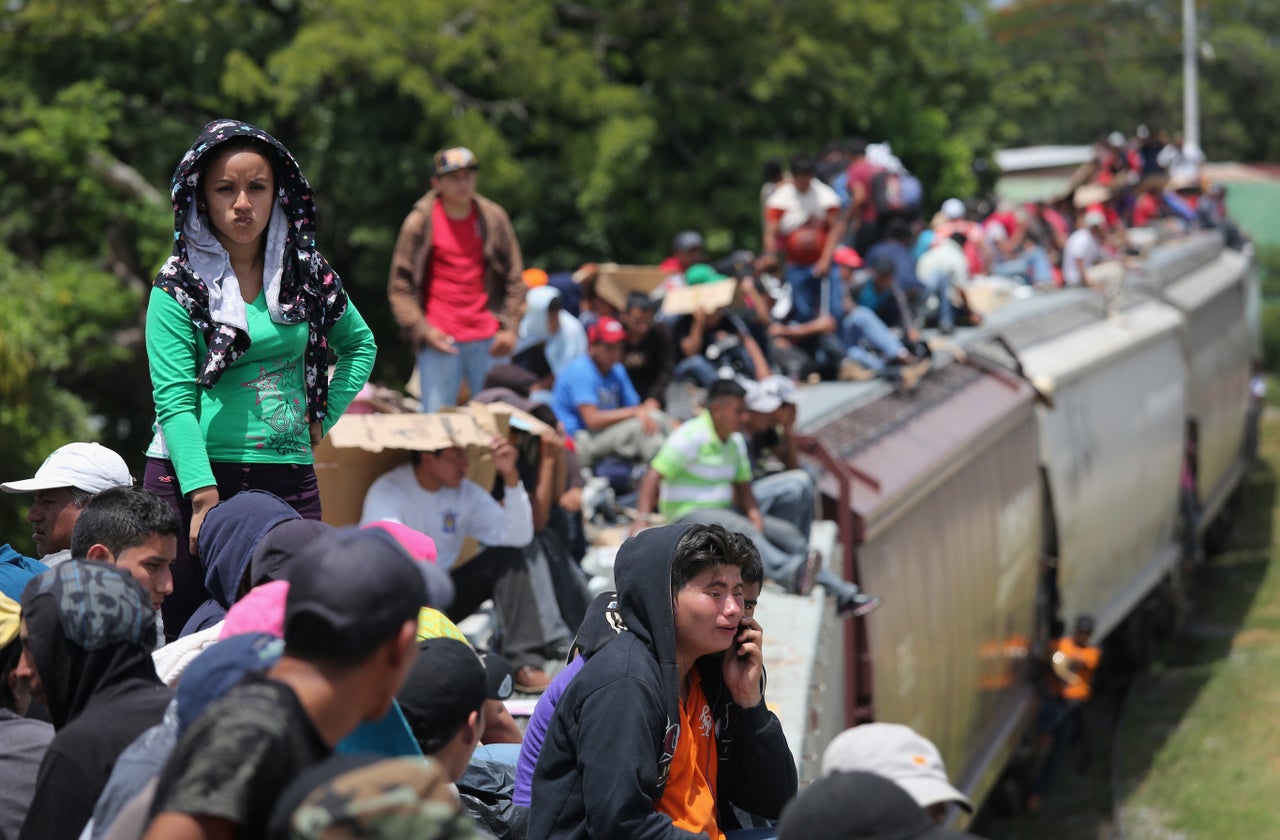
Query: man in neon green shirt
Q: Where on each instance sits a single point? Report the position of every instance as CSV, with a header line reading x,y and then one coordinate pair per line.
x,y
702,474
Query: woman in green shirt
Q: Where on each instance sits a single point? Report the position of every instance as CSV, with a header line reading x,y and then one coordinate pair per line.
x,y
241,320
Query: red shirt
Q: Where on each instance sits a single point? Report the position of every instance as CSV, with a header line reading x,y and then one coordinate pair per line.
x,y
457,302
1145,209
861,172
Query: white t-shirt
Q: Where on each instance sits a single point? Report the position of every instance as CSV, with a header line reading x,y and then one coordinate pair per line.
x,y
451,514
798,208
946,258
1081,246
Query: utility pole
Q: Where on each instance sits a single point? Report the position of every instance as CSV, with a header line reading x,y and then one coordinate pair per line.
x,y
1190,76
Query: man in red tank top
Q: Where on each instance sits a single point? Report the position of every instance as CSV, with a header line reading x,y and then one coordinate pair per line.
x,y
456,289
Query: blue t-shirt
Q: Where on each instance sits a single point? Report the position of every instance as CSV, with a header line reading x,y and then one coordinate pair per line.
x,y
904,265
16,570
581,383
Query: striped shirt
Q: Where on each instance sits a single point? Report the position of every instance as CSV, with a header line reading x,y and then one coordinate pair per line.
x,y
699,469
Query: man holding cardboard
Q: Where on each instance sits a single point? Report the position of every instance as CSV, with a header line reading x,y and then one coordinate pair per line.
x,y
432,494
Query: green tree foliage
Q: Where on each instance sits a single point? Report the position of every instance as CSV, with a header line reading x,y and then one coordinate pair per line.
x,y
1078,69
604,126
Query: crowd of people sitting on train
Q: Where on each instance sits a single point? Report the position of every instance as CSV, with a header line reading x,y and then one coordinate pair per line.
x,y
197,655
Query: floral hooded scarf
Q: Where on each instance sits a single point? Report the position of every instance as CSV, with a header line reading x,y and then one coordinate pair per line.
x,y
300,283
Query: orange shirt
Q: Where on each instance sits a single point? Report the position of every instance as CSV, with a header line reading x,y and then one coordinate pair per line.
x,y
690,795
1089,658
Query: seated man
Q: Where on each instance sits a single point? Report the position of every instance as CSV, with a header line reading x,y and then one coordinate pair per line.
x,y
649,355
879,305
432,494
664,774
702,474
350,620
444,701
63,485
132,529
25,739
711,341
595,400
87,634
899,753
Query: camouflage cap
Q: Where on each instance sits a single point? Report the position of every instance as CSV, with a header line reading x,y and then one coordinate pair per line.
x,y
393,799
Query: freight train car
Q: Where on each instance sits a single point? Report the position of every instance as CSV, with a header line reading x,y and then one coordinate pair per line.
x,y
1039,477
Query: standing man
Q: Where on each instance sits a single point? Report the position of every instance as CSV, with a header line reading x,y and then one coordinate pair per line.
x,y
456,290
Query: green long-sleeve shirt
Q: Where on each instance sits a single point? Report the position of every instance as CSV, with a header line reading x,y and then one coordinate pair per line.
x,y
256,413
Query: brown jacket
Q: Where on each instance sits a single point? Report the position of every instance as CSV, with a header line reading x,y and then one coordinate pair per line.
x,y
503,266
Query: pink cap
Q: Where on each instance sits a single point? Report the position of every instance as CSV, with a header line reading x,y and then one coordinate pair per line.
x,y
420,547
261,610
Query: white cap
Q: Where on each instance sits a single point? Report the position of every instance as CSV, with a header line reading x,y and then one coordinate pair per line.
x,y
1115,139
1095,218
758,398
899,753
953,208
90,467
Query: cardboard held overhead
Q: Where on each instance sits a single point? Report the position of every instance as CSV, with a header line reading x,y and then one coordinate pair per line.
x,y
613,282
361,447
685,300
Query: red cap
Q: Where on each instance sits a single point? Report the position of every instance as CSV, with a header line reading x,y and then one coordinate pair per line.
x,y
606,331
846,256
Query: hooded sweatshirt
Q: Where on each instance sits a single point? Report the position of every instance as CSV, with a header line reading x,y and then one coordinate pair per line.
x,y
276,347
228,537
568,343
91,628
620,718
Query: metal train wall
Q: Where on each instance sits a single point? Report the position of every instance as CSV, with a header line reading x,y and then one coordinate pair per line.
x,y
1048,473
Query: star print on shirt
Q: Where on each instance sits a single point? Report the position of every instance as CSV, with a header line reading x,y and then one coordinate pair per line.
x,y
268,382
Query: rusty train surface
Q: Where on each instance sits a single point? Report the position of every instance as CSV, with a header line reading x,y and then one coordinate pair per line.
x,y
1068,458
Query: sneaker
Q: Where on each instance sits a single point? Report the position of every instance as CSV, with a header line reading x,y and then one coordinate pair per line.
x,y
530,679
911,375
856,603
852,371
806,571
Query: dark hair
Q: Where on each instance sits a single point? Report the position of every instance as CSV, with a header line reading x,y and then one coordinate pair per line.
x,y
9,656
723,388
242,143
771,170
703,547
1084,624
960,238
856,146
802,164
641,301
753,567
313,641
121,518
898,229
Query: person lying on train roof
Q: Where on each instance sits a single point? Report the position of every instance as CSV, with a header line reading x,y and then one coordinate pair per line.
x,y
702,474
636,746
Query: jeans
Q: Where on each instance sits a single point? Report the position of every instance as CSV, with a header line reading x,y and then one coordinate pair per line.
x,y
440,387
788,496
939,284
1031,265
862,325
806,293
697,369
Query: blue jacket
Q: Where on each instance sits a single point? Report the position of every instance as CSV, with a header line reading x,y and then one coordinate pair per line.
x,y
16,570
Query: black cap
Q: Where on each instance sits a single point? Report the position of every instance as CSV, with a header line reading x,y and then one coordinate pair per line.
x,y
498,678
446,684
858,804
358,588
884,265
